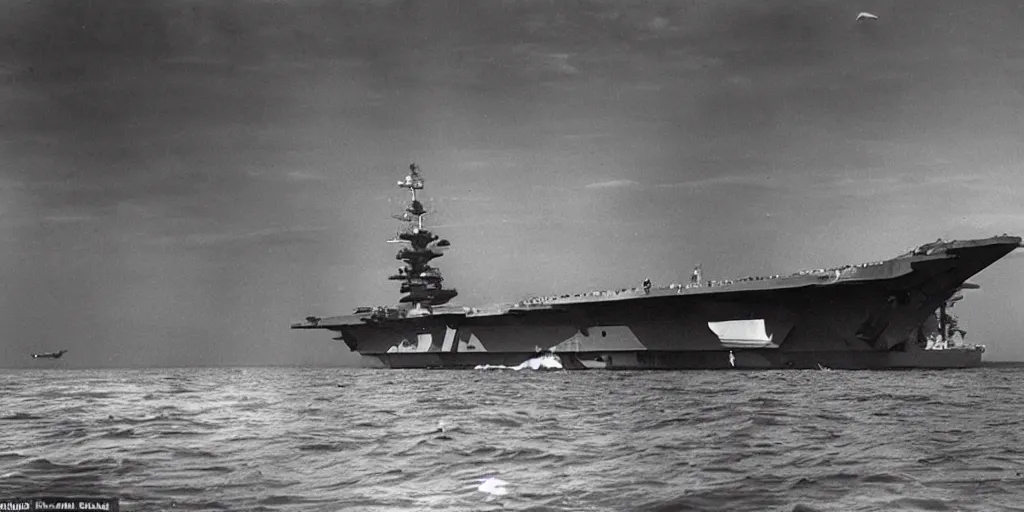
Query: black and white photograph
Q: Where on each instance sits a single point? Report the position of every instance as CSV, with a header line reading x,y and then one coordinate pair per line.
x,y
532,255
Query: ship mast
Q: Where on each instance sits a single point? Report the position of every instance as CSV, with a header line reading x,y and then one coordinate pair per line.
x,y
422,284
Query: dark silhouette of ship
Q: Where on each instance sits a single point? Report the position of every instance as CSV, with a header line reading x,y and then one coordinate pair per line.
x,y
887,314
49,355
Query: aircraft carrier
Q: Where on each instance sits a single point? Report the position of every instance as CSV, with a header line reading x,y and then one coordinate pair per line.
x,y
881,315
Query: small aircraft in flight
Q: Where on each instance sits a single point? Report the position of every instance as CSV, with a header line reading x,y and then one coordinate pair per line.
x,y
49,355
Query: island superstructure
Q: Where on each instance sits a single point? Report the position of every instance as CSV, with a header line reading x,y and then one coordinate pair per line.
x,y
887,314
422,283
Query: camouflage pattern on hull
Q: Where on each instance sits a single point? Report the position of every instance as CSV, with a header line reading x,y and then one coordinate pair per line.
x,y
866,316
753,359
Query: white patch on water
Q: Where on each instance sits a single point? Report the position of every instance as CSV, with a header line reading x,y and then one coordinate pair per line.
x,y
493,486
543,362
238,419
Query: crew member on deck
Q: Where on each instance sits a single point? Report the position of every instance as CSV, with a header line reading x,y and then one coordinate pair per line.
x,y
647,285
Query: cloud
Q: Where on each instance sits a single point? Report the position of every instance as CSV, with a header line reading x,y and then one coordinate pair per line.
x,y
588,136
751,180
613,184
68,219
305,176
560,62
759,180
467,199
996,220
659,23
497,218
537,63
873,184
475,164
261,237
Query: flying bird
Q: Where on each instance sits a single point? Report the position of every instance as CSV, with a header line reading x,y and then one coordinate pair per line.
x,y
866,16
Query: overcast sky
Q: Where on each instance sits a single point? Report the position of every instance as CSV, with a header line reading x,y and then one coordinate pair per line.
x,y
181,180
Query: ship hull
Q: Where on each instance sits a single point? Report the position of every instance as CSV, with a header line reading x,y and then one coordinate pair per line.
x,y
855,317
751,359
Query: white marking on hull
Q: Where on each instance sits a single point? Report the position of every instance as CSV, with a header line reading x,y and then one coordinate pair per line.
x,y
601,337
449,340
742,334
404,346
425,340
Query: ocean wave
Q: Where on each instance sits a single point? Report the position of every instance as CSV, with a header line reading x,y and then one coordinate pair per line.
x,y
290,439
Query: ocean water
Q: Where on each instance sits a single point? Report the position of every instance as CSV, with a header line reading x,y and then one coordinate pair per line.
x,y
346,439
